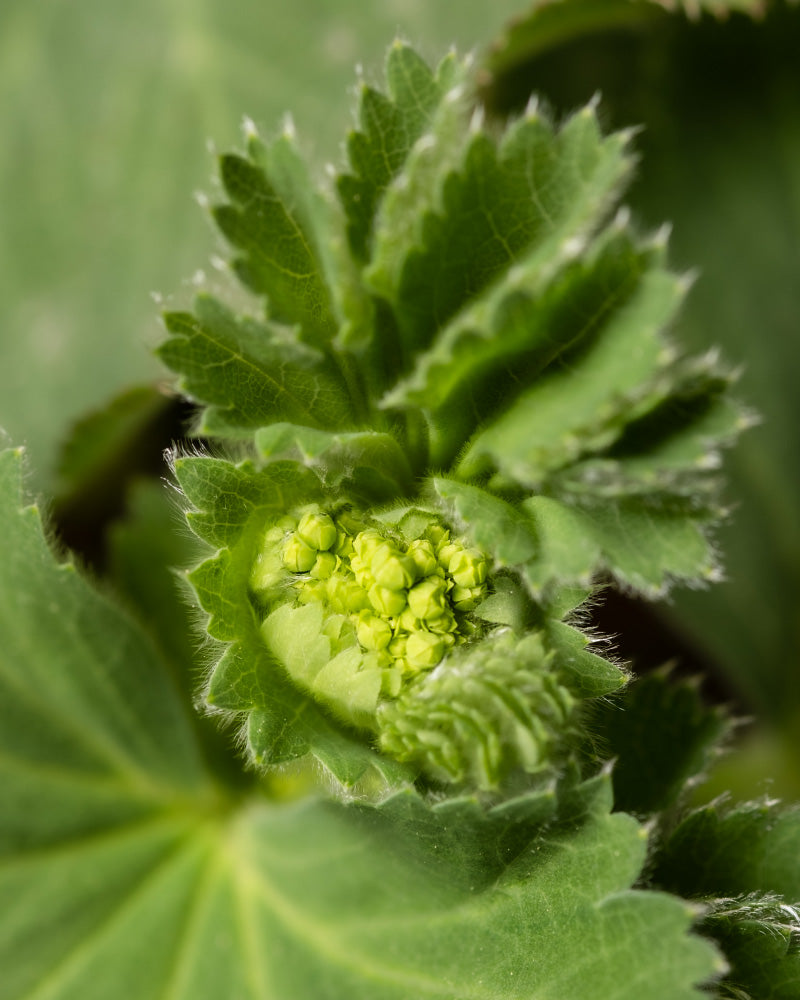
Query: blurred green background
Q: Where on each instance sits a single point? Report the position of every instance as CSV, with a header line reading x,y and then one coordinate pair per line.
x,y
106,111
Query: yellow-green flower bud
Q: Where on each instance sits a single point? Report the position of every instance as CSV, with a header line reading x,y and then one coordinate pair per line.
x,y
312,591
424,650
391,682
447,552
437,535
422,552
408,622
387,602
366,543
373,632
391,568
317,530
343,546
427,599
324,566
397,647
468,568
297,556
444,624
465,598
344,595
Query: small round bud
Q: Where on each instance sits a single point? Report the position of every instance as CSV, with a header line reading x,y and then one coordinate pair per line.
x,y
343,546
345,596
422,552
397,647
427,599
297,556
311,592
468,568
317,530
373,632
446,552
442,625
392,569
324,566
408,622
387,602
465,598
437,535
424,650
366,543
391,682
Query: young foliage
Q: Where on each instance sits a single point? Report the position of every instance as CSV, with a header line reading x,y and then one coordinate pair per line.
x,y
743,863
463,378
142,878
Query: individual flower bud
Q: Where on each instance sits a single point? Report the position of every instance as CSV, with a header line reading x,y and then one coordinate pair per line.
x,y
468,568
446,552
373,632
366,542
343,546
344,595
422,552
424,650
324,566
437,535
446,623
465,598
408,622
297,556
387,602
397,647
317,530
427,599
391,682
312,591
391,568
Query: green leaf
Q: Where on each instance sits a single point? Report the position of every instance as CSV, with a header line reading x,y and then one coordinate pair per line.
x,y
277,221
92,732
249,373
389,125
139,880
760,937
662,737
494,525
615,377
751,847
368,462
546,193
225,496
549,25
745,861
586,674
643,546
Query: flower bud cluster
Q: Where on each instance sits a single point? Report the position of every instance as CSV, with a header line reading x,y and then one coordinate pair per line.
x,y
408,601
499,706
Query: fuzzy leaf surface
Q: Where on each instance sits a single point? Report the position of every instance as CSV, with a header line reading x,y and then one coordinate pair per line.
x,y
274,219
249,373
388,126
140,880
644,547
661,735
746,857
